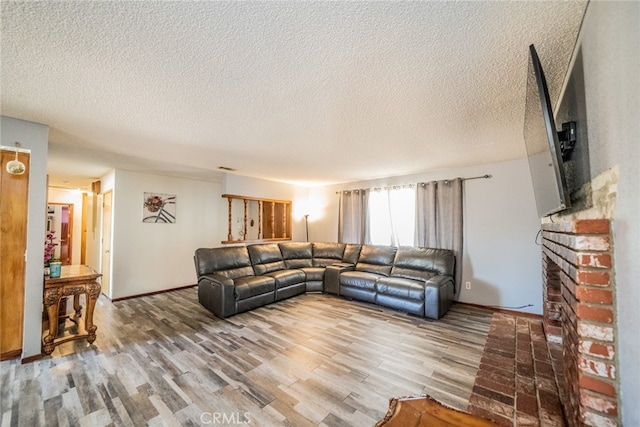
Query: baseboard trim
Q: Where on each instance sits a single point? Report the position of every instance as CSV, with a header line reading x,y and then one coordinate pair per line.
x,y
152,293
503,310
13,354
33,358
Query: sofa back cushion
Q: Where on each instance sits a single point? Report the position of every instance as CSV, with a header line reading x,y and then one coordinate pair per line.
x,y
266,258
231,262
351,253
296,254
423,263
325,254
376,259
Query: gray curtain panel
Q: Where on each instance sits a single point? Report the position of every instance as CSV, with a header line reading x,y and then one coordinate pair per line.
x,y
439,218
353,224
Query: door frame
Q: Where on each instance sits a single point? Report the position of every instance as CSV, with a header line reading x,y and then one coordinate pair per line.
x,y
106,233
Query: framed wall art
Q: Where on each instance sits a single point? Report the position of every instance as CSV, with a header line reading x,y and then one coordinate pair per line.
x,y
159,208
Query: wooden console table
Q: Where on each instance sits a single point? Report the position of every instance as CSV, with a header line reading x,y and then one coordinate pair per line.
x,y
74,280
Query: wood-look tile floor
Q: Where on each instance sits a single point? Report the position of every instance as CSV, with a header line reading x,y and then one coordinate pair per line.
x,y
310,360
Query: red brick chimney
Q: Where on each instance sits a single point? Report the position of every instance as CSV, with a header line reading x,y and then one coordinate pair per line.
x,y
580,312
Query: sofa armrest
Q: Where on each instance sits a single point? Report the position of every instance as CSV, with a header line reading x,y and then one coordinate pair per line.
x,y
216,293
438,296
332,276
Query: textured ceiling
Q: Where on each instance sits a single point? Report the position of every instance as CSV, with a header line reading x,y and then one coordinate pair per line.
x,y
305,92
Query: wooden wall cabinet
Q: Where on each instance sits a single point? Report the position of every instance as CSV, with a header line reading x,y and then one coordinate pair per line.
x,y
253,219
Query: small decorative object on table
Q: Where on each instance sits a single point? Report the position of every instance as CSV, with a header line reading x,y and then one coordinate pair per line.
x,y
55,268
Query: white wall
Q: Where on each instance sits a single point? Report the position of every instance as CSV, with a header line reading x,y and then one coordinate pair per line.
x,y
154,257
611,57
34,137
500,257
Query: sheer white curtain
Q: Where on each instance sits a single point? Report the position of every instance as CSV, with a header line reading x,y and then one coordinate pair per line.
x,y
392,216
353,219
439,218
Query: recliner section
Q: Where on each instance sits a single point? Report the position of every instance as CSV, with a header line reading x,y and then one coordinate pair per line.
x,y
268,262
299,255
373,263
236,279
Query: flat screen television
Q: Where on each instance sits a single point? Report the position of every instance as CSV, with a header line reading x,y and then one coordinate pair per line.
x,y
544,147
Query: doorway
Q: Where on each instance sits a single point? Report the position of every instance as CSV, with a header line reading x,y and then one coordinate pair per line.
x,y
60,222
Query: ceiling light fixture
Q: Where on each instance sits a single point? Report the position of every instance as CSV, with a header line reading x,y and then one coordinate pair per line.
x,y
16,167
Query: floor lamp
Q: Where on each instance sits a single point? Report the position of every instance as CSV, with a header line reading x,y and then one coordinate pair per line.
x,y
306,224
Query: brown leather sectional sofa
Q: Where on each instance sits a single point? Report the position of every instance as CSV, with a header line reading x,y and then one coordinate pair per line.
x,y
235,279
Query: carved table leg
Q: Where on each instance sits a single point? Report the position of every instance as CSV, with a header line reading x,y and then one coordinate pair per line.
x,y
93,292
51,303
76,305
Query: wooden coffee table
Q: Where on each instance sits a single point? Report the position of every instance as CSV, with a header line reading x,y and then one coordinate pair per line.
x,y
419,411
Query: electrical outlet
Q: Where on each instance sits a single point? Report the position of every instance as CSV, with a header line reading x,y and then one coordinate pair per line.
x,y
468,285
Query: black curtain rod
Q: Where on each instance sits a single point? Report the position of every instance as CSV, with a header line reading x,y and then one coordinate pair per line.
x,y
486,176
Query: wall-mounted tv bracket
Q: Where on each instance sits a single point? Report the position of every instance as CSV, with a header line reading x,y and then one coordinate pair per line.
x,y
568,137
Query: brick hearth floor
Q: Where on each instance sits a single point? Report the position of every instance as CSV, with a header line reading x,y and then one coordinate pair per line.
x,y
515,384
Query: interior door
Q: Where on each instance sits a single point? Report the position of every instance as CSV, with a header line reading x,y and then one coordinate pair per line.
x,y
14,191
66,234
107,202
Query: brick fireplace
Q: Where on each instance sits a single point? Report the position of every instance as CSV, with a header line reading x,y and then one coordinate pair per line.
x,y
579,312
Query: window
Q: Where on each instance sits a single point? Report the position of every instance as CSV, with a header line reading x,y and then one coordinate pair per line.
x,y
392,213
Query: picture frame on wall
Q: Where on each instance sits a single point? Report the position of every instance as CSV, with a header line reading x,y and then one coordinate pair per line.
x,y
159,208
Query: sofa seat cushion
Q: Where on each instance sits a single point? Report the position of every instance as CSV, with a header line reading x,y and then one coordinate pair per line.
x,y
325,254
265,258
351,253
296,254
229,262
400,287
376,259
359,279
314,274
422,263
286,278
250,286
